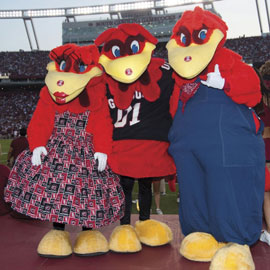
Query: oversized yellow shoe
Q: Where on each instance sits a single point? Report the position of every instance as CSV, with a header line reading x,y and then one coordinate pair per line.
x,y
56,244
124,240
90,243
153,233
200,247
233,257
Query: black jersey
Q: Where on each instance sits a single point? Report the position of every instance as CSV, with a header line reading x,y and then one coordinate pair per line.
x,y
144,120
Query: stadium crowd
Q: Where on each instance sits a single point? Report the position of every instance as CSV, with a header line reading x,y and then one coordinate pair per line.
x,y
17,107
24,65
252,49
18,104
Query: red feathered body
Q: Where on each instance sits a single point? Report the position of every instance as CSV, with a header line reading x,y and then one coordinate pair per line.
x,y
139,107
138,157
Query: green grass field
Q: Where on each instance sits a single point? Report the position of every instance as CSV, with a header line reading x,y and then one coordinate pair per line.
x,y
168,202
5,146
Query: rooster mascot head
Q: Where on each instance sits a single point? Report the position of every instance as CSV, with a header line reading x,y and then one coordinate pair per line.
x,y
195,39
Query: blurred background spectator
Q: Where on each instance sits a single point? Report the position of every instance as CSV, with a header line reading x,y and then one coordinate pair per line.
x,y
16,147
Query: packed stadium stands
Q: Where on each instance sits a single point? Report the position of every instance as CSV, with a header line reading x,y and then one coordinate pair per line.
x,y
24,65
32,65
252,49
17,106
18,98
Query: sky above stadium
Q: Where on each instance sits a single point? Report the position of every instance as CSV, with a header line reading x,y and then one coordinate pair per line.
x,y
240,15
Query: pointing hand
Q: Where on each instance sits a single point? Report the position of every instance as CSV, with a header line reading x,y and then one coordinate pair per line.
x,y
214,79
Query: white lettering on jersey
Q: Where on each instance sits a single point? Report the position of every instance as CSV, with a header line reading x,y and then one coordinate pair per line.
x,y
123,114
122,120
135,114
166,66
111,103
138,95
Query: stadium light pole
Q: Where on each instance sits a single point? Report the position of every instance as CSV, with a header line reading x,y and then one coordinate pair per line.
x,y
110,9
259,17
28,35
267,13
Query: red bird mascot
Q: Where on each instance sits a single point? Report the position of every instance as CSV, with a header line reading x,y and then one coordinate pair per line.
x,y
216,143
65,179
138,91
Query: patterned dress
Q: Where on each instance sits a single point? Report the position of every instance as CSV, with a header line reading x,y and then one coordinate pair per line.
x,y
67,187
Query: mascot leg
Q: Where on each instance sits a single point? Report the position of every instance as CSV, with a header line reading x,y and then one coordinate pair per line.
x,y
230,209
56,243
124,238
90,243
150,232
147,231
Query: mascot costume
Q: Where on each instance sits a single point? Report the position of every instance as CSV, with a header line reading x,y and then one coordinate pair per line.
x,y
216,142
138,91
65,179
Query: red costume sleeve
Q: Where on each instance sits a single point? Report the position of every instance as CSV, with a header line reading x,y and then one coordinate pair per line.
x,y
42,122
242,84
100,125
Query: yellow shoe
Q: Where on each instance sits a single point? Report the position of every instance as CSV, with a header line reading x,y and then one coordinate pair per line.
x,y
199,247
124,240
56,244
90,243
233,257
153,233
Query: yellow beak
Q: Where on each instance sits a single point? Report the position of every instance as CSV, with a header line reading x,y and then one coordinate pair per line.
x,y
188,62
71,84
129,68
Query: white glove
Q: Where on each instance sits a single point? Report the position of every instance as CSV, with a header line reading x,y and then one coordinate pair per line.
x,y
36,160
214,79
102,161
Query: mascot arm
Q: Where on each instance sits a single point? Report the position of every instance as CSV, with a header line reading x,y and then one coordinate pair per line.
x,y
42,122
242,84
100,125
